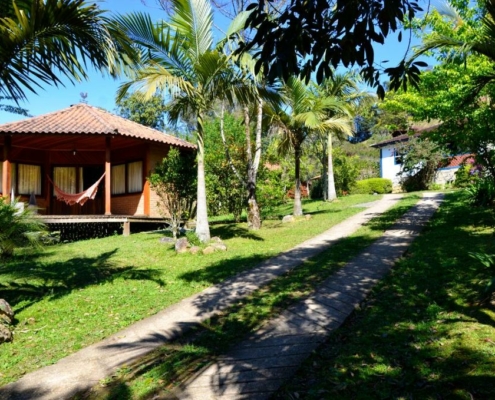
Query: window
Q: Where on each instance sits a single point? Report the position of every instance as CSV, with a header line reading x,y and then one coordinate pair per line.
x,y
29,179
118,179
65,179
135,177
398,156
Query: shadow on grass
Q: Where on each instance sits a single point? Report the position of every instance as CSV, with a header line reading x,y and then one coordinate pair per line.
x,y
31,280
228,231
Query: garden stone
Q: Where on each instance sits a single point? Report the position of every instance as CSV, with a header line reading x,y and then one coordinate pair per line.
x,y
288,218
219,246
216,239
181,245
6,318
5,334
6,310
194,250
166,240
308,216
208,250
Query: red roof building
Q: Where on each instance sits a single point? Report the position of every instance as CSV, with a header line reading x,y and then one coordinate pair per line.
x,y
73,148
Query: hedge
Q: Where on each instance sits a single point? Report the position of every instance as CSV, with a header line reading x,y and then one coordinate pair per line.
x,y
372,185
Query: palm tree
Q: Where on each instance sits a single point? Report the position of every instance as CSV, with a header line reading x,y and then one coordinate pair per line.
x,y
178,57
304,113
44,40
343,88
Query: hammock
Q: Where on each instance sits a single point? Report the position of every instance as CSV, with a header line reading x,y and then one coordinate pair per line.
x,y
77,198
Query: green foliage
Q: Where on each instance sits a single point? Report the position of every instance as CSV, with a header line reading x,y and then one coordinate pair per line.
x,y
465,176
174,180
192,238
285,36
18,228
421,158
482,192
149,112
43,41
346,170
487,260
273,186
225,192
372,185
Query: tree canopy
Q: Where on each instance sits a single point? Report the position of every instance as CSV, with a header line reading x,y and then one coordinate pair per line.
x,y
314,36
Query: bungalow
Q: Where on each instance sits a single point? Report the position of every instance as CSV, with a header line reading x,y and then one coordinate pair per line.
x,y
391,159
83,161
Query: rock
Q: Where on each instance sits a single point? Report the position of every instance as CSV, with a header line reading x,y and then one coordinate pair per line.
x,y
219,246
216,239
208,250
181,245
195,250
288,218
5,334
166,240
6,318
6,311
308,216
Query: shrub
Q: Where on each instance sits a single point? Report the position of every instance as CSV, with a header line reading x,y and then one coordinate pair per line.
x,y
18,228
488,260
372,185
466,175
482,192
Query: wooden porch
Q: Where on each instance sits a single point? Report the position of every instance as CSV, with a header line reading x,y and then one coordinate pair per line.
x,y
99,224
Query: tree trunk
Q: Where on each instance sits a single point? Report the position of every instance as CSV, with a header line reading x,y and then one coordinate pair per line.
x,y
202,226
254,215
297,193
332,194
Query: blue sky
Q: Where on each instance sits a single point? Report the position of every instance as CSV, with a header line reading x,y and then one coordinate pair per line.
x,y
101,89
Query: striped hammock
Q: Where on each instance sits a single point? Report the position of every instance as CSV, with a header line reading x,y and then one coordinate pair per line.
x,y
77,198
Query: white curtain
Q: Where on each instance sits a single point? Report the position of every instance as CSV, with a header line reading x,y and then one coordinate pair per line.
x,y
118,179
135,177
65,179
29,179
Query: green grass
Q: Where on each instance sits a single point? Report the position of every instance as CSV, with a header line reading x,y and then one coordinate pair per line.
x,y
164,368
73,295
422,333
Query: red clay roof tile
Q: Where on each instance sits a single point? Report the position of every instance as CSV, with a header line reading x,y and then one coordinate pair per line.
x,y
84,119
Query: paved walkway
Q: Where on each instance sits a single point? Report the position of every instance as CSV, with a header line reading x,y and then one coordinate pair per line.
x,y
242,373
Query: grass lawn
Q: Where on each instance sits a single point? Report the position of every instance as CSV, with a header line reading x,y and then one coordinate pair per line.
x,y
73,295
422,333
155,375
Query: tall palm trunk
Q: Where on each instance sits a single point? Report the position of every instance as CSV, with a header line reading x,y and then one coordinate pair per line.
x,y
254,216
202,227
297,193
332,193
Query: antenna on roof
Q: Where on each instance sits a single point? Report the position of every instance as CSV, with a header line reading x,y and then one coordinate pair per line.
x,y
84,96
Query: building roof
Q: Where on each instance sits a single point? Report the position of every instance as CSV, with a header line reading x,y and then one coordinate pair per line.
x,y
83,119
417,130
458,160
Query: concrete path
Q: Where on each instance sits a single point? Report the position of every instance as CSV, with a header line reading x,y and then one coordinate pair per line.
x,y
87,367
258,366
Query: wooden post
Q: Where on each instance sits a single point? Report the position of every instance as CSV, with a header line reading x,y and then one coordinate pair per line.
x,y
7,168
146,188
127,228
108,181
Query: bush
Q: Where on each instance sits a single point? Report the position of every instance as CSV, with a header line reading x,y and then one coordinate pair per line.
x,y
18,228
482,192
372,185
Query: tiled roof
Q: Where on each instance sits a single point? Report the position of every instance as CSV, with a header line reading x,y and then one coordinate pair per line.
x,y
84,119
416,131
397,139
455,161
